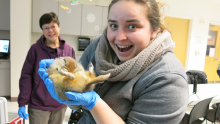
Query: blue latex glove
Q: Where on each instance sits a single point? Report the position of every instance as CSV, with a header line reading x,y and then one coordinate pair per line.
x,y
43,64
87,99
22,112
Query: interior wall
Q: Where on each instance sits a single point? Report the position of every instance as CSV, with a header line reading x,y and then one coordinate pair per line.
x,y
4,34
20,35
200,16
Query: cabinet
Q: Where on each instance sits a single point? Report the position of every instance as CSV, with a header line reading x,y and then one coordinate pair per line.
x,y
39,8
91,20
4,14
4,78
81,19
70,20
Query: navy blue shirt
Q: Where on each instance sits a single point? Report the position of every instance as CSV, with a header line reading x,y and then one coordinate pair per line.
x,y
33,91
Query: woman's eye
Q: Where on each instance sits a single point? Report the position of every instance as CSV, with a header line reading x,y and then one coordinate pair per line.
x,y
131,26
113,26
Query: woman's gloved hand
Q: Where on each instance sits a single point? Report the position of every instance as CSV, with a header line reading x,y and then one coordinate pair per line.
x,y
87,99
43,64
22,112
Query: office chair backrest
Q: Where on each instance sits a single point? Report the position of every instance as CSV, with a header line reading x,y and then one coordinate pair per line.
x,y
196,76
217,112
200,110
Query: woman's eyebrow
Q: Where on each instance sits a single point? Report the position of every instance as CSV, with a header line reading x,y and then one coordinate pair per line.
x,y
132,20
112,21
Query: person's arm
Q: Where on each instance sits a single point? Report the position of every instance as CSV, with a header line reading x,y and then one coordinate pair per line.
x,y
25,83
103,114
26,79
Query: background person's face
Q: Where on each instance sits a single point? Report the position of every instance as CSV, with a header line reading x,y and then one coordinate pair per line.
x,y
129,30
51,31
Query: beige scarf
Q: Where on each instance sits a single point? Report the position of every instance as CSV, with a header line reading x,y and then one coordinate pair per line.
x,y
108,62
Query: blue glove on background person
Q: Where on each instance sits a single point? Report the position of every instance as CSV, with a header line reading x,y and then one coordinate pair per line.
x,y
22,112
87,99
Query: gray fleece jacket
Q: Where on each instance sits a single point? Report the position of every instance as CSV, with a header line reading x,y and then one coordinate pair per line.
x,y
157,95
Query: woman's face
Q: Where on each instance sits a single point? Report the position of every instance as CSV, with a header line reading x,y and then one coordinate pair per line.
x,y
51,31
129,30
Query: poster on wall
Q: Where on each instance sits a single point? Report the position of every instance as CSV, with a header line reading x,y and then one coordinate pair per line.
x,y
211,43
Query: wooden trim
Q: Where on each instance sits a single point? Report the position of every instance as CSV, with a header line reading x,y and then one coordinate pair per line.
x,y
7,97
14,99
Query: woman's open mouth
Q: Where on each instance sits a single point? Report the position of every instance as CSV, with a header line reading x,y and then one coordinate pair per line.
x,y
124,48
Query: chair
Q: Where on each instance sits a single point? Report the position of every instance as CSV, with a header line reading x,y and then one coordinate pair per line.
x,y
214,114
200,110
196,76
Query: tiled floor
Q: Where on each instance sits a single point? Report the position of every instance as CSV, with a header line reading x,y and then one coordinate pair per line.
x,y
13,107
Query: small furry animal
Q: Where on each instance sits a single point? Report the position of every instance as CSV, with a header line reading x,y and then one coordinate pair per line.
x,y
69,75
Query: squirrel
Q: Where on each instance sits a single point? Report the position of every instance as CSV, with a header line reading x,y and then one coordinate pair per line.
x,y
69,75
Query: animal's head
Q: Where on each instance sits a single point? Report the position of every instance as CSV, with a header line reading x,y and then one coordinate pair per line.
x,y
63,65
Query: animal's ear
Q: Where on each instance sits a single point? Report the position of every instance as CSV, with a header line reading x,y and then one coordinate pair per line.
x,y
96,80
70,64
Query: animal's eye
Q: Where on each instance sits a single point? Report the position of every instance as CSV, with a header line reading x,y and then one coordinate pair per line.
x,y
64,60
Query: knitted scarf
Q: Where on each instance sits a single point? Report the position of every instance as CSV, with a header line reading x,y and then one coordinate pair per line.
x,y
108,62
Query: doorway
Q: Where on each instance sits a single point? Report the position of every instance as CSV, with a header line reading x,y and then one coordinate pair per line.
x,y
212,54
179,32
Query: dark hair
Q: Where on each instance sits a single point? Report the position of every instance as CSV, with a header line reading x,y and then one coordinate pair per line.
x,y
152,10
48,18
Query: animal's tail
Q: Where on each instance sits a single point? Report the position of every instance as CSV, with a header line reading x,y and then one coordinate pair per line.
x,y
96,80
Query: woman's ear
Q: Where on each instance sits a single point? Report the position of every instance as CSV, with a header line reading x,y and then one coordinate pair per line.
x,y
153,34
59,27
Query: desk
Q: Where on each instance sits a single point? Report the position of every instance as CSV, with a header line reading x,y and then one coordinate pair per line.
x,y
204,91
5,82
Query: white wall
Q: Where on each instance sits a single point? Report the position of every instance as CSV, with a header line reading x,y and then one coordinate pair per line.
x,y
4,34
20,36
199,12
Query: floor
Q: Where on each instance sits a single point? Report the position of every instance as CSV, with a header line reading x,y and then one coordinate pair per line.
x,y
13,107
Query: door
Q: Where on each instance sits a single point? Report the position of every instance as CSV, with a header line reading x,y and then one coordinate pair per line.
x,y
211,61
179,32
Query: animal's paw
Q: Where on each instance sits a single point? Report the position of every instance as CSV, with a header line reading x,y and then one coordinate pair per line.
x,y
66,73
91,67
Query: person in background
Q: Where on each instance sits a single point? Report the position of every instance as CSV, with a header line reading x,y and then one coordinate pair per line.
x,y
147,85
42,108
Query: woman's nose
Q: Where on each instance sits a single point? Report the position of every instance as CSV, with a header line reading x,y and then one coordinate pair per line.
x,y
121,35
